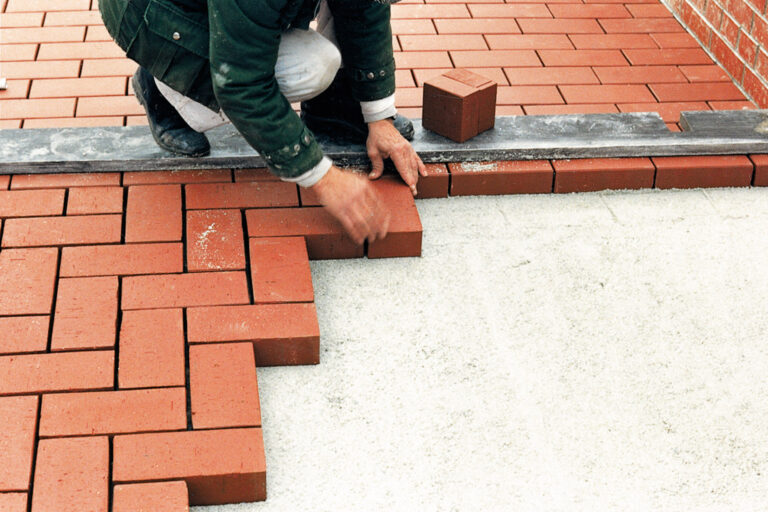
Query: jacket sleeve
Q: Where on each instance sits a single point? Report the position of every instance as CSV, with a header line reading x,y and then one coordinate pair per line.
x,y
365,39
244,40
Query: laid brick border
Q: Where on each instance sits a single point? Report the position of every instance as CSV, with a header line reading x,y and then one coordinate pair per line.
x,y
135,308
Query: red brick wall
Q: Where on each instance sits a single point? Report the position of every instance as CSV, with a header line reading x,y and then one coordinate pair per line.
x,y
736,34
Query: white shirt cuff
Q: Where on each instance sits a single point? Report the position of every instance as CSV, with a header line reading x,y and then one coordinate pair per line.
x,y
313,175
378,109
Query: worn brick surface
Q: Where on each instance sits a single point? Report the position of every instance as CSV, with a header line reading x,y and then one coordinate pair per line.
x,y
27,278
151,349
492,178
215,240
282,334
219,466
20,334
113,412
582,175
72,475
13,501
181,177
184,290
18,424
223,387
86,313
121,260
280,270
68,230
151,497
63,371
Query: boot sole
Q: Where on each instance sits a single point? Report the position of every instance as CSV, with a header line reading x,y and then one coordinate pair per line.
x,y
136,92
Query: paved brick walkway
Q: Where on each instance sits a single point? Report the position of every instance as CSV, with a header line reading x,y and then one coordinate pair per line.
x,y
118,291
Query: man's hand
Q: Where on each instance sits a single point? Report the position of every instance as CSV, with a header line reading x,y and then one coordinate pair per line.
x,y
384,141
351,199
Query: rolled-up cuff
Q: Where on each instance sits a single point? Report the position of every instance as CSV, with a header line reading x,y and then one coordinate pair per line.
x,y
313,175
378,109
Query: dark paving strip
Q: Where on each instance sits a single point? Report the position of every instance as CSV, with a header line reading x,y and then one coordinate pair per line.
x,y
514,138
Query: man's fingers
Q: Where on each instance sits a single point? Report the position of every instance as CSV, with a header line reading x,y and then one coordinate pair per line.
x,y
422,167
407,169
377,165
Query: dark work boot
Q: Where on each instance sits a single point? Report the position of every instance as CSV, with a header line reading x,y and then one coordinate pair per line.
x,y
336,113
168,128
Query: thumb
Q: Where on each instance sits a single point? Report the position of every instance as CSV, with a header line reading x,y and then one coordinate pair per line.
x,y
377,166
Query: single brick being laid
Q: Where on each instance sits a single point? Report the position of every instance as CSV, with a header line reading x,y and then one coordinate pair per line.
x,y
151,349
219,466
86,313
60,371
280,270
22,334
215,240
113,412
282,334
223,386
27,278
405,231
71,475
18,424
151,497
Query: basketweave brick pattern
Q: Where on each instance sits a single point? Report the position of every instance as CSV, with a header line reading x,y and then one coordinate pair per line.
x,y
547,57
134,311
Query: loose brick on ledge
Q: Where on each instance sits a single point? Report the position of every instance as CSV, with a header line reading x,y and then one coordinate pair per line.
x,y
151,349
255,194
590,174
404,236
18,424
62,371
21,334
223,386
703,171
31,203
761,170
280,270
215,240
326,238
75,230
180,177
219,466
86,313
27,278
491,178
113,412
185,290
13,501
95,179
94,200
435,183
151,497
122,260
71,475
153,213
282,334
